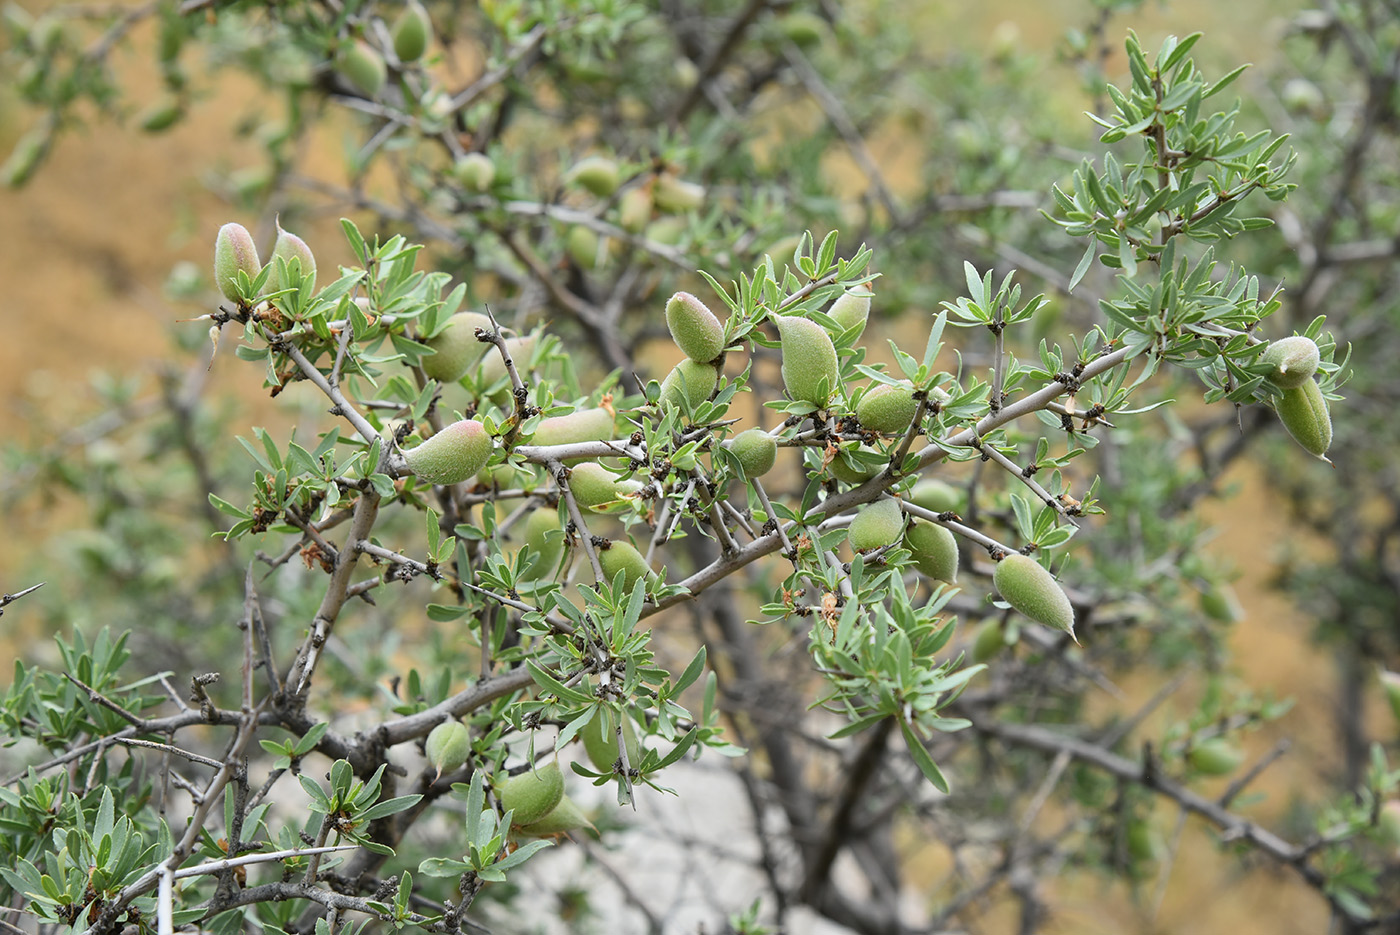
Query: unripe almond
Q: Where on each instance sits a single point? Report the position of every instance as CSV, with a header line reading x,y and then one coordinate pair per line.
x,y
936,496
1024,584
361,64
493,365
1390,681
1144,844
600,741
855,476
593,485
457,349
1293,361
545,537
810,372
1215,756
586,248
412,32
563,818
989,640
291,249
850,311
666,231
161,115
1303,412
1218,602
695,329
887,409
597,174
756,451
234,250
934,549
689,381
448,746
452,455
634,209
533,794
1388,825
876,525
475,171
624,557
677,196
586,425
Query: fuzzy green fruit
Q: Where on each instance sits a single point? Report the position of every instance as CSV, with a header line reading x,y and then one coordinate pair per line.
x,y
600,741
545,537
936,496
586,248
533,794
411,32
586,425
593,485
475,171
876,525
161,115
451,456
887,409
850,311
989,641
493,366
1303,412
596,174
1293,361
1218,602
677,196
1215,757
457,349
756,451
1024,584
623,556
1388,825
810,372
1390,682
634,209
563,818
934,549
234,250
292,251
448,746
1144,844
694,328
361,64
666,231
855,476
689,382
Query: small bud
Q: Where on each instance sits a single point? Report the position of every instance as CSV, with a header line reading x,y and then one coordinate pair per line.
x,y
1303,412
475,171
600,741
586,425
1215,757
291,249
411,32
456,347
1026,585
452,455
756,451
623,557
877,525
563,818
533,794
448,746
689,381
234,250
850,311
934,549
936,496
810,372
676,196
1294,361
597,174
887,409
363,67
694,328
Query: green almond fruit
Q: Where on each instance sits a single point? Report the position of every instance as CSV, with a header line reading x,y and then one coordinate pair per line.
x,y
935,550
448,746
634,209
1390,682
586,248
1218,602
451,456
676,196
411,32
1293,361
1027,586
533,794
563,818
600,741
1388,825
475,171
361,64
25,157
689,382
850,311
545,537
1303,412
666,231
493,365
810,373
756,451
161,115
596,174
586,425
456,348
936,496
988,641
876,525
887,409
234,250
294,253
855,475
623,557
804,29
1144,844
1215,757
695,329
593,485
